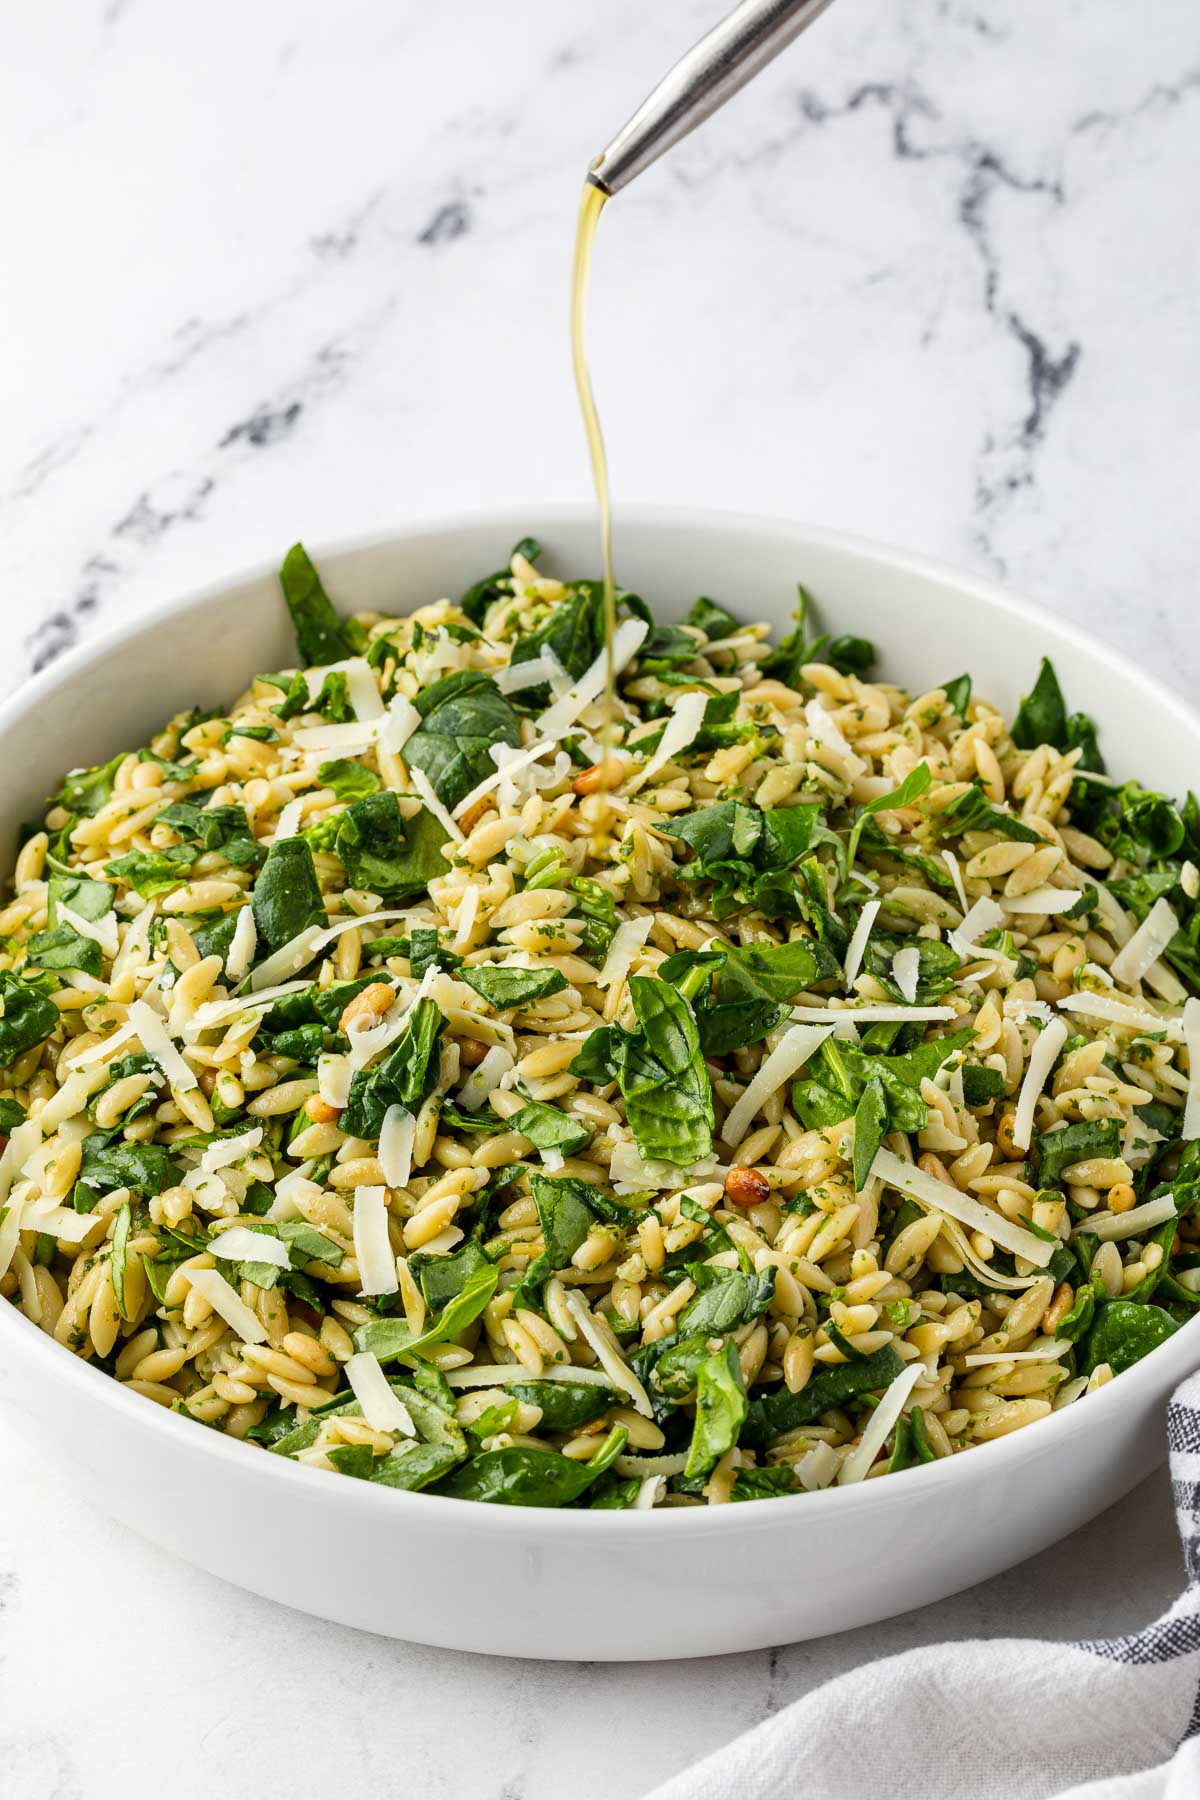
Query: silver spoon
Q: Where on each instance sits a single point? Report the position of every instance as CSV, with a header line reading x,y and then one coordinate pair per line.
x,y
703,80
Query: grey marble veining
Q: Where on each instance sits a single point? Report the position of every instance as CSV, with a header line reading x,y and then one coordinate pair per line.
x,y
293,269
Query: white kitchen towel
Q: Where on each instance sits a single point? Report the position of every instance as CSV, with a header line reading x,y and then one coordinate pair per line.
x,y
1002,1718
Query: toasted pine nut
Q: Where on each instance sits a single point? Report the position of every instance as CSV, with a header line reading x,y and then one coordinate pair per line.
x,y
371,1004
746,1187
604,774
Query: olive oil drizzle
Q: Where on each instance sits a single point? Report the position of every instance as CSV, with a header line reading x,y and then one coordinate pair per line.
x,y
591,206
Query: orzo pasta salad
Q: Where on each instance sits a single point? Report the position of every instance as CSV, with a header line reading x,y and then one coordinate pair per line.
x,y
801,1084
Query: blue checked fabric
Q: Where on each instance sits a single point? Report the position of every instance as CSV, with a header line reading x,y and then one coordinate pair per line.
x,y
1000,1718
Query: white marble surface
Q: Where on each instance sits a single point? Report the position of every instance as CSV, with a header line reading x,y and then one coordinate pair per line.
x,y
300,268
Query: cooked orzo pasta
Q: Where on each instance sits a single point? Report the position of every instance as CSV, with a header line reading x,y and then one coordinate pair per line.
x,y
797,1087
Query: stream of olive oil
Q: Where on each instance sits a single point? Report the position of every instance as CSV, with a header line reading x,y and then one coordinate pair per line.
x,y
591,206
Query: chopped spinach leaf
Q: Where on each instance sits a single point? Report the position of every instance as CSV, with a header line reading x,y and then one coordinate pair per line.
x,y
320,634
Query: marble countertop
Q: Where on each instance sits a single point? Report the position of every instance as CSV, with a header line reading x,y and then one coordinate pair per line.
x,y
300,269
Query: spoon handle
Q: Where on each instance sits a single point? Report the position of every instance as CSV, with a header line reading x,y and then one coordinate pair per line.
x,y
701,81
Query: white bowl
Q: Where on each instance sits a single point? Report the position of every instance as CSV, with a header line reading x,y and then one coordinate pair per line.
x,y
592,1585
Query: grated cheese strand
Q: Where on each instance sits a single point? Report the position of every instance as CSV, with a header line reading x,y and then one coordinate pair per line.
x,y
101,931
562,714
906,972
156,1043
927,1191
397,1136
425,788
240,1244
1120,1012
680,730
789,1055
1042,1058
230,1150
857,947
372,1245
628,939
1111,1226
242,945
521,759
382,1407
857,1465
212,1286
1136,958
614,1365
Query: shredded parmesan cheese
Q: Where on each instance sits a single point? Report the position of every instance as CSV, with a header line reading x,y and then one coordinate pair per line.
x,y
927,1191
1139,1219
482,1080
382,1407
397,725
213,1012
628,939
240,1244
64,1222
871,1015
330,932
396,1138
372,1246
824,729
102,931
981,918
291,1192
1120,1012
613,1364
350,739
333,1079
857,1465
563,712
230,1150
212,1286
464,924
680,730
242,945
135,946
858,942
155,1042
1046,1350
906,972
790,1054
363,689
288,823
1044,901
1042,1057
520,759
287,959
514,676
502,1374
952,863
424,787
1134,961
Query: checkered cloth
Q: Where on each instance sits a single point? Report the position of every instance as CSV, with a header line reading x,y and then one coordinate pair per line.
x,y
1111,1719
